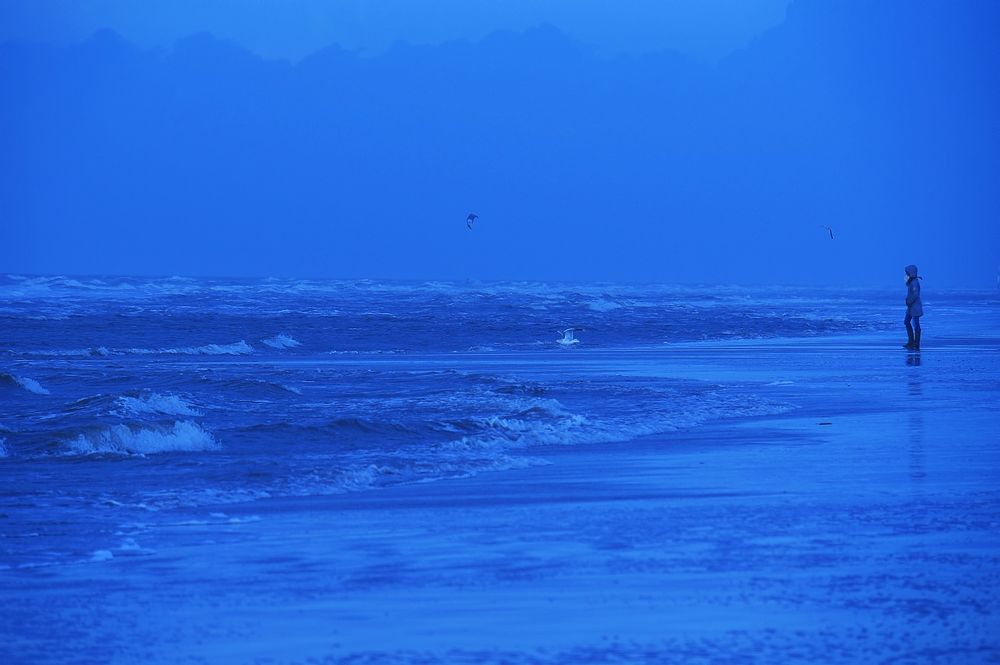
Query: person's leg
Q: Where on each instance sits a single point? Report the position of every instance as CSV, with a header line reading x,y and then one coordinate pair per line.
x,y
916,332
909,331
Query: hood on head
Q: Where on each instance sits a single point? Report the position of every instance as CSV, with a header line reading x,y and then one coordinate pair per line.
x,y
911,270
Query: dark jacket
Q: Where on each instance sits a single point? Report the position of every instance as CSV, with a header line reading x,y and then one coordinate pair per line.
x,y
913,305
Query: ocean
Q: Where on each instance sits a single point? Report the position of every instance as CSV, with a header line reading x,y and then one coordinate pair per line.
x,y
126,397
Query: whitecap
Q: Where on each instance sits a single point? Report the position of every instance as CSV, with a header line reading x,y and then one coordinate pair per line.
x,y
603,305
155,403
28,384
184,435
57,352
129,547
235,349
281,341
249,519
235,520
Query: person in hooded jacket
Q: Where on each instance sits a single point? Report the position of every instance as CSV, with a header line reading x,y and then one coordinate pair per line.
x,y
914,308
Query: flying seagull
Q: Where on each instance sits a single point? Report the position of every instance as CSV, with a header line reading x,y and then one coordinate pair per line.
x,y
471,219
828,230
567,336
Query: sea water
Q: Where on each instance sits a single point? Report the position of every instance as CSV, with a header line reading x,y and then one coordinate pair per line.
x,y
130,402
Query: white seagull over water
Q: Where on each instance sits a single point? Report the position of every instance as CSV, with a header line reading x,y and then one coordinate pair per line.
x,y
567,336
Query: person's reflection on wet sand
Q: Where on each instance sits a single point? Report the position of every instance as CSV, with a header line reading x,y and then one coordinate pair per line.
x,y
915,392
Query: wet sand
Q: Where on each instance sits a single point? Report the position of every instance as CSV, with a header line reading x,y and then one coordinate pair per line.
x,y
861,526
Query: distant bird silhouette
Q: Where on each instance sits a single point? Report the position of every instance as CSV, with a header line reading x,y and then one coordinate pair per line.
x,y
567,336
828,230
471,219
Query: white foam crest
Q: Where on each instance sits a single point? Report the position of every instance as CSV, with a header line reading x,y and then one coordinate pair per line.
x,y
361,478
372,352
28,384
70,353
235,349
547,423
129,547
506,432
603,305
281,341
184,435
155,403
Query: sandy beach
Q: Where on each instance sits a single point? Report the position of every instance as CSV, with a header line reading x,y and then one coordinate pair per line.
x,y
861,526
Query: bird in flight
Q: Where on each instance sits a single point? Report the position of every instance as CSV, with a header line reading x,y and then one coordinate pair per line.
x,y
471,219
828,230
567,336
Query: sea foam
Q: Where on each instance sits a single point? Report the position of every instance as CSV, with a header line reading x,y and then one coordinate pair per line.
x,y
184,435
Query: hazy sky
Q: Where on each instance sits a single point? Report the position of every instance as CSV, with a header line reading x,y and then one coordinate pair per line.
x,y
878,118
707,29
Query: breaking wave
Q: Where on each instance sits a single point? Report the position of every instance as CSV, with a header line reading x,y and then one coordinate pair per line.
x,y
30,385
154,403
281,341
184,435
235,349
99,351
548,422
603,305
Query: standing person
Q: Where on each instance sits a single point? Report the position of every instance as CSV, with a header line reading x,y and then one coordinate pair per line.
x,y
914,308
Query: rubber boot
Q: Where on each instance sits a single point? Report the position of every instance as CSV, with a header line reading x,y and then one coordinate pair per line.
x,y
916,341
909,335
